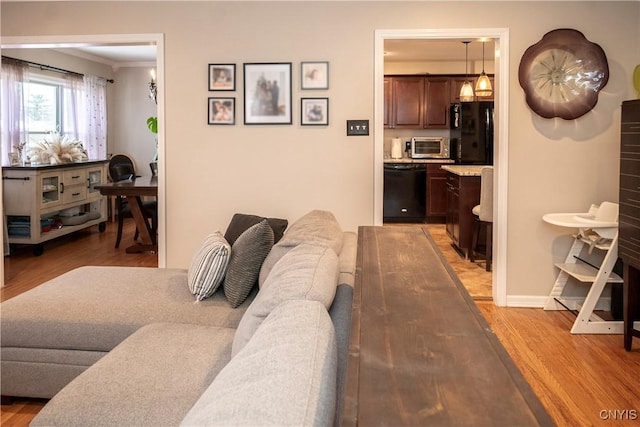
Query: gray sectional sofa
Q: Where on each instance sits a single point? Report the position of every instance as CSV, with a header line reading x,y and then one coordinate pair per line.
x,y
131,346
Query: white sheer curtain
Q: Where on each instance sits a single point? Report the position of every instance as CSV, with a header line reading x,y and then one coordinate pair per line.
x,y
13,107
95,114
73,107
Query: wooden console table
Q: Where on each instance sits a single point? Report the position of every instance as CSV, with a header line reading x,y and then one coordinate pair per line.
x,y
420,352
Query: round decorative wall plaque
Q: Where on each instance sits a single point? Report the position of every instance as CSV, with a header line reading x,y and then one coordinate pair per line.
x,y
562,74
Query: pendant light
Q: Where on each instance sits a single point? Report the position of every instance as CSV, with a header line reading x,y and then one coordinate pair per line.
x,y
483,85
466,91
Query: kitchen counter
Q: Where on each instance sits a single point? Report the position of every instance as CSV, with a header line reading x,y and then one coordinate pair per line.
x,y
410,160
464,170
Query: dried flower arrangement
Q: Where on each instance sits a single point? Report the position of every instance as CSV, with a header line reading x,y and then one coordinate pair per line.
x,y
56,149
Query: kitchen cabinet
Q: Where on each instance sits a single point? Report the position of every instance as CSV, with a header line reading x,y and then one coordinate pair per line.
x,y
422,102
34,195
404,102
387,102
437,102
462,194
436,193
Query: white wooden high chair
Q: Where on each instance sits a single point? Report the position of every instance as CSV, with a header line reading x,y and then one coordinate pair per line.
x,y
597,230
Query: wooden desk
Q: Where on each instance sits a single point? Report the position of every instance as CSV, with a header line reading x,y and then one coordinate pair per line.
x,y
133,191
420,351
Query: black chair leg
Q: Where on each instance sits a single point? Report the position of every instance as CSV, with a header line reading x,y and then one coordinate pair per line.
x,y
120,220
474,240
489,248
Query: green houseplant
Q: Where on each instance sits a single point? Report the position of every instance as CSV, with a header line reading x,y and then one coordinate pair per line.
x,y
152,124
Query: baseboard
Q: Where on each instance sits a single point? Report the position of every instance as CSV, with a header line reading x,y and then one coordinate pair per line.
x,y
530,301
536,301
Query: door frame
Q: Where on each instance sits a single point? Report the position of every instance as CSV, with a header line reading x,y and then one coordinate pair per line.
x,y
501,136
157,39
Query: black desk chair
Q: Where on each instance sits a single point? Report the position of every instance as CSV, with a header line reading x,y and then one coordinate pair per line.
x,y
122,167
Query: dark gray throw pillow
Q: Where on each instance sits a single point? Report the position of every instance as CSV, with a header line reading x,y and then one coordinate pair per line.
x,y
247,254
241,222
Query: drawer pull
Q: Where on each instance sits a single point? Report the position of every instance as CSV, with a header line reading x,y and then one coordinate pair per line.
x,y
24,178
75,194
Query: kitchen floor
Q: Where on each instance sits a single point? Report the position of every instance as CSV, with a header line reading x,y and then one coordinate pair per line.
x,y
473,275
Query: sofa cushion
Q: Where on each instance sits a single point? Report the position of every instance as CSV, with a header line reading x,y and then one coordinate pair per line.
x,y
318,227
95,308
240,222
284,376
152,378
208,266
307,272
247,254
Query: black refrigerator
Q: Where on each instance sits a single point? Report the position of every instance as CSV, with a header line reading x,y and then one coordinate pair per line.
x,y
471,135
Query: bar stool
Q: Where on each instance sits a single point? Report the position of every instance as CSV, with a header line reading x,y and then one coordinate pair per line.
x,y
483,215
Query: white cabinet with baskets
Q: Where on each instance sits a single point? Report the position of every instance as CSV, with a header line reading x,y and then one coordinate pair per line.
x,y
42,202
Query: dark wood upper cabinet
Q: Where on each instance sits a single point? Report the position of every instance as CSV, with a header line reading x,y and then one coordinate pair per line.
x,y
437,102
422,102
387,102
406,109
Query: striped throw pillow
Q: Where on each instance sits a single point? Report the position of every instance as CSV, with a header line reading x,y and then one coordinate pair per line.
x,y
208,266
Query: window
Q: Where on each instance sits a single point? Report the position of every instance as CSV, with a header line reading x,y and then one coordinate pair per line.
x,y
73,105
44,108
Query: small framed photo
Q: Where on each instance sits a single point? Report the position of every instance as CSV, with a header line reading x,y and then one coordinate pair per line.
x,y
14,159
267,93
222,77
314,75
222,111
314,111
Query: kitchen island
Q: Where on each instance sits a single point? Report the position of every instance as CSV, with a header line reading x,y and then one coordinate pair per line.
x,y
463,193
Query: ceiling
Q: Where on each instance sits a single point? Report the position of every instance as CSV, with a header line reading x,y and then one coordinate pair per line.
x,y
115,55
435,50
396,50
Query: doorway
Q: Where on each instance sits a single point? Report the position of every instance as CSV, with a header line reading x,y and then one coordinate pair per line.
x,y
25,42
501,38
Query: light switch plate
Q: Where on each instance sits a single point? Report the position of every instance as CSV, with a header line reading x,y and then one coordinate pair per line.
x,y
357,127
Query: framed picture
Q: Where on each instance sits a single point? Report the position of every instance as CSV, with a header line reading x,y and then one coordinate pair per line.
x,y
222,111
314,111
267,93
314,75
14,159
222,77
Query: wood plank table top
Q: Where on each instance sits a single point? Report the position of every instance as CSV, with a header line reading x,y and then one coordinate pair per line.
x,y
420,352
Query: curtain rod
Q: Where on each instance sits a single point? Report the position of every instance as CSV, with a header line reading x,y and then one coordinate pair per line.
x,y
48,67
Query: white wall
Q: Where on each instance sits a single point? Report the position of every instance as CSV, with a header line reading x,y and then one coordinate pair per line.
x,y
214,171
131,108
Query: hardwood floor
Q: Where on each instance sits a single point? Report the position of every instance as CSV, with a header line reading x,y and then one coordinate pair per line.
x,y
581,379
